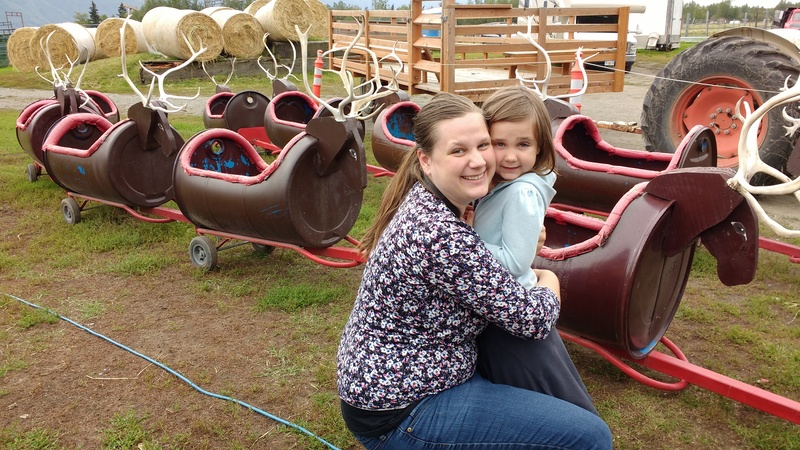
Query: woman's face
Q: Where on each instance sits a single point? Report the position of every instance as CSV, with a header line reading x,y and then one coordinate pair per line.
x,y
461,163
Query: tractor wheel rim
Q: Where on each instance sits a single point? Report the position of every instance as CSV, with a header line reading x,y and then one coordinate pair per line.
x,y
712,103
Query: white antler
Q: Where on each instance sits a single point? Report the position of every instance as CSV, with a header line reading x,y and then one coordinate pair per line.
x,y
750,161
164,98
214,80
579,60
533,83
356,104
289,69
57,80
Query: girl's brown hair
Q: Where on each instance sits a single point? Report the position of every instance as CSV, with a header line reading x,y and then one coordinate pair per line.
x,y
516,104
442,106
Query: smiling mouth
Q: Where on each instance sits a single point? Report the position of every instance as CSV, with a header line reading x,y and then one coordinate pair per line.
x,y
509,168
474,177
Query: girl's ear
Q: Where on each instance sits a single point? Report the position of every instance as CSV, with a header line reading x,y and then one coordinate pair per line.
x,y
424,162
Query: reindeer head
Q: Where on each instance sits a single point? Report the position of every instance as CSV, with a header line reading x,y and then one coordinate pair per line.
x,y
66,92
224,86
163,102
353,106
750,161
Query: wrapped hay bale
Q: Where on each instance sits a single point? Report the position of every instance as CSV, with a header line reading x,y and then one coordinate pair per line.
x,y
164,28
253,7
278,17
212,9
20,49
242,34
107,37
69,42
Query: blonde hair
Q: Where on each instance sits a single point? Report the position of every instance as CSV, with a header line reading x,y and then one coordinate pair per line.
x,y
517,104
443,106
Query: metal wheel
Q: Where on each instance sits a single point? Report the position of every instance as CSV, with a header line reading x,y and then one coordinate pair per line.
x,y
71,211
203,253
33,174
263,248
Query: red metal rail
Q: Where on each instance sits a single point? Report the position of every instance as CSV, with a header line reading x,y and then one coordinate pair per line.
x,y
680,368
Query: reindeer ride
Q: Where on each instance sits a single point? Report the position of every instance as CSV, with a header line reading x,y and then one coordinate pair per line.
x,y
307,199
36,119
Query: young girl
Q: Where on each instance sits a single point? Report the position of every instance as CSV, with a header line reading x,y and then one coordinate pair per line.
x,y
510,219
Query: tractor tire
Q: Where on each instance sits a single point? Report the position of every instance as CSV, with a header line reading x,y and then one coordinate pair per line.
x,y
701,86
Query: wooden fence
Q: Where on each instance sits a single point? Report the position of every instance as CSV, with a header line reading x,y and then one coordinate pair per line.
x,y
473,49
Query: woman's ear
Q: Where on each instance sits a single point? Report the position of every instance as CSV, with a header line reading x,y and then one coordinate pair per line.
x,y
424,162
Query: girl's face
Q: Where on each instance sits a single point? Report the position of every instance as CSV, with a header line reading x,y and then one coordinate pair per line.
x,y
515,148
461,163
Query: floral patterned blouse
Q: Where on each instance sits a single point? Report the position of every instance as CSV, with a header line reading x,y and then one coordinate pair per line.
x,y
429,288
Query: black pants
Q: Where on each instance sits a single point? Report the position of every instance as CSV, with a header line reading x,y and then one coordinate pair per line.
x,y
538,365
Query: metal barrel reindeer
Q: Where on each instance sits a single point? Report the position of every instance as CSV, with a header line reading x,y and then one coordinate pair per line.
x,y
310,196
35,120
130,162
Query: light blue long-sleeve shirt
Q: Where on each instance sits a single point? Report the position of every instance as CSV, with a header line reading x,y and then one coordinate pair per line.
x,y
510,218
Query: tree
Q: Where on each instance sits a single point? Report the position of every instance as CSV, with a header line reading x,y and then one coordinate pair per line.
x,y
81,18
379,5
340,5
122,11
94,17
236,4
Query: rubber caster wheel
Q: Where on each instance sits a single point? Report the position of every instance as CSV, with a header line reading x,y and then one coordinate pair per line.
x,y
33,174
71,211
263,248
203,253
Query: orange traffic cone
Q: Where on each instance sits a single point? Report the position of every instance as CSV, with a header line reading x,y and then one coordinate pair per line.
x,y
317,87
576,81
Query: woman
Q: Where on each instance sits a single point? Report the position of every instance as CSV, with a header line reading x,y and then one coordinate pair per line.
x,y
406,362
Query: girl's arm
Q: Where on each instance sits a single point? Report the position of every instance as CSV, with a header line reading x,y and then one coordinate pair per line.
x,y
521,227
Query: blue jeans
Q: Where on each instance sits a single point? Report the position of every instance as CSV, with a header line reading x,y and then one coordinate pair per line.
x,y
479,414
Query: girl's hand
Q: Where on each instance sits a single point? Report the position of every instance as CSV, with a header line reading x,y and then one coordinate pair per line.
x,y
548,279
469,215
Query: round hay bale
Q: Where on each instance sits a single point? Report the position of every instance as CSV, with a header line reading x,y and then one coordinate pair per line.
x,y
98,54
252,8
242,34
279,17
164,28
107,37
20,49
212,9
69,42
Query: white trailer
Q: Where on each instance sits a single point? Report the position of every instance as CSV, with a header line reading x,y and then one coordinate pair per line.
x,y
655,24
